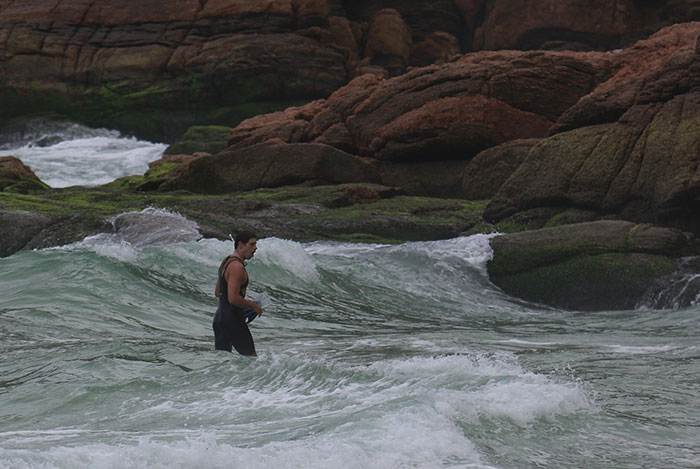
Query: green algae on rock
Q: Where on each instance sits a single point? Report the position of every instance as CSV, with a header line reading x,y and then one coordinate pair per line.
x,y
358,212
15,176
587,266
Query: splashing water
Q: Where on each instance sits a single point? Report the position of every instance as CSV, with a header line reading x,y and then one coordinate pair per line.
x,y
371,356
63,155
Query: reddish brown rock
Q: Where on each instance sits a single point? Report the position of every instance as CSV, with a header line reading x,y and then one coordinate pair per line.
x,y
568,24
454,128
437,114
451,111
288,126
652,70
351,195
159,67
388,42
437,48
270,165
15,176
642,166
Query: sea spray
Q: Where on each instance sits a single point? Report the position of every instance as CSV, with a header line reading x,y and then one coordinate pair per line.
x,y
71,154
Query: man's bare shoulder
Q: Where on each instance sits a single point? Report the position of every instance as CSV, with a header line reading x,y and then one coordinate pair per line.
x,y
234,268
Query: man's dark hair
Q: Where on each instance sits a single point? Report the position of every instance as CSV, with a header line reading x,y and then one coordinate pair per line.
x,y
243,237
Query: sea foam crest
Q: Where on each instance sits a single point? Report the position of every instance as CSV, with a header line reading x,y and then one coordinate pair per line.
x,y
475,250
288,256
42,133
489,386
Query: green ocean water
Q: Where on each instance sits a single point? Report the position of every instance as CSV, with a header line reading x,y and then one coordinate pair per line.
x,y
371,356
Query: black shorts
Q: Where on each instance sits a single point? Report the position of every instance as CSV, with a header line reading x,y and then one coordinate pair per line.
x,y
234,334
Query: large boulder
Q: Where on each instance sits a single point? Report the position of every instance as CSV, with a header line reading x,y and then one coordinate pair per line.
x,y
270,165
154,68
601,265
631,148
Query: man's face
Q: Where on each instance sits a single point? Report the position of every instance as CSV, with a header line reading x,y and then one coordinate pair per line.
x,y
248,249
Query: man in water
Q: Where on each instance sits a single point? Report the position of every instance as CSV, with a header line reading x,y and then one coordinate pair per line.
x,y
230,328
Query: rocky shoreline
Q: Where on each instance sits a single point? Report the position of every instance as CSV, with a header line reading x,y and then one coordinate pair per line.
x,y
582,147
598,265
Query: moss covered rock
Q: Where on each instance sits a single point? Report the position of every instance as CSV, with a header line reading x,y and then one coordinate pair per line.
x,y
15,176
201,138
602,265
18,227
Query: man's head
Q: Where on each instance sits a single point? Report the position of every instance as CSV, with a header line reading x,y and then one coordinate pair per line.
x,y
246,243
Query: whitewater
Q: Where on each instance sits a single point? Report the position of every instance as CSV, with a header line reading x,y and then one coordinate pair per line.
x,y
370,355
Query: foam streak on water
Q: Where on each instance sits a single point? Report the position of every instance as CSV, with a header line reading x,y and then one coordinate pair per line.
x,y
371,356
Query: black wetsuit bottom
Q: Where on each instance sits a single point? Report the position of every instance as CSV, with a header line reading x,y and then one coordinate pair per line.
x,y
233,334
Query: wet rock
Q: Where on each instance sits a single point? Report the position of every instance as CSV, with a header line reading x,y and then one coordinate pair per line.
x,y
601,265
200,138
634,151
68,229
679,289
17,228
270,165
484,175
436,179
15,176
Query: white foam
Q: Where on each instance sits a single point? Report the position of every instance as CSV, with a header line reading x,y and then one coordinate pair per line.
x,y
120,250
338,249
490,386
640,350
475,249
379,448
90,160
527,342
453,366
528,399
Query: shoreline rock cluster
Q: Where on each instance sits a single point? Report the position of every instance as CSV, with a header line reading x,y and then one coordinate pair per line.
x,y
155,69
